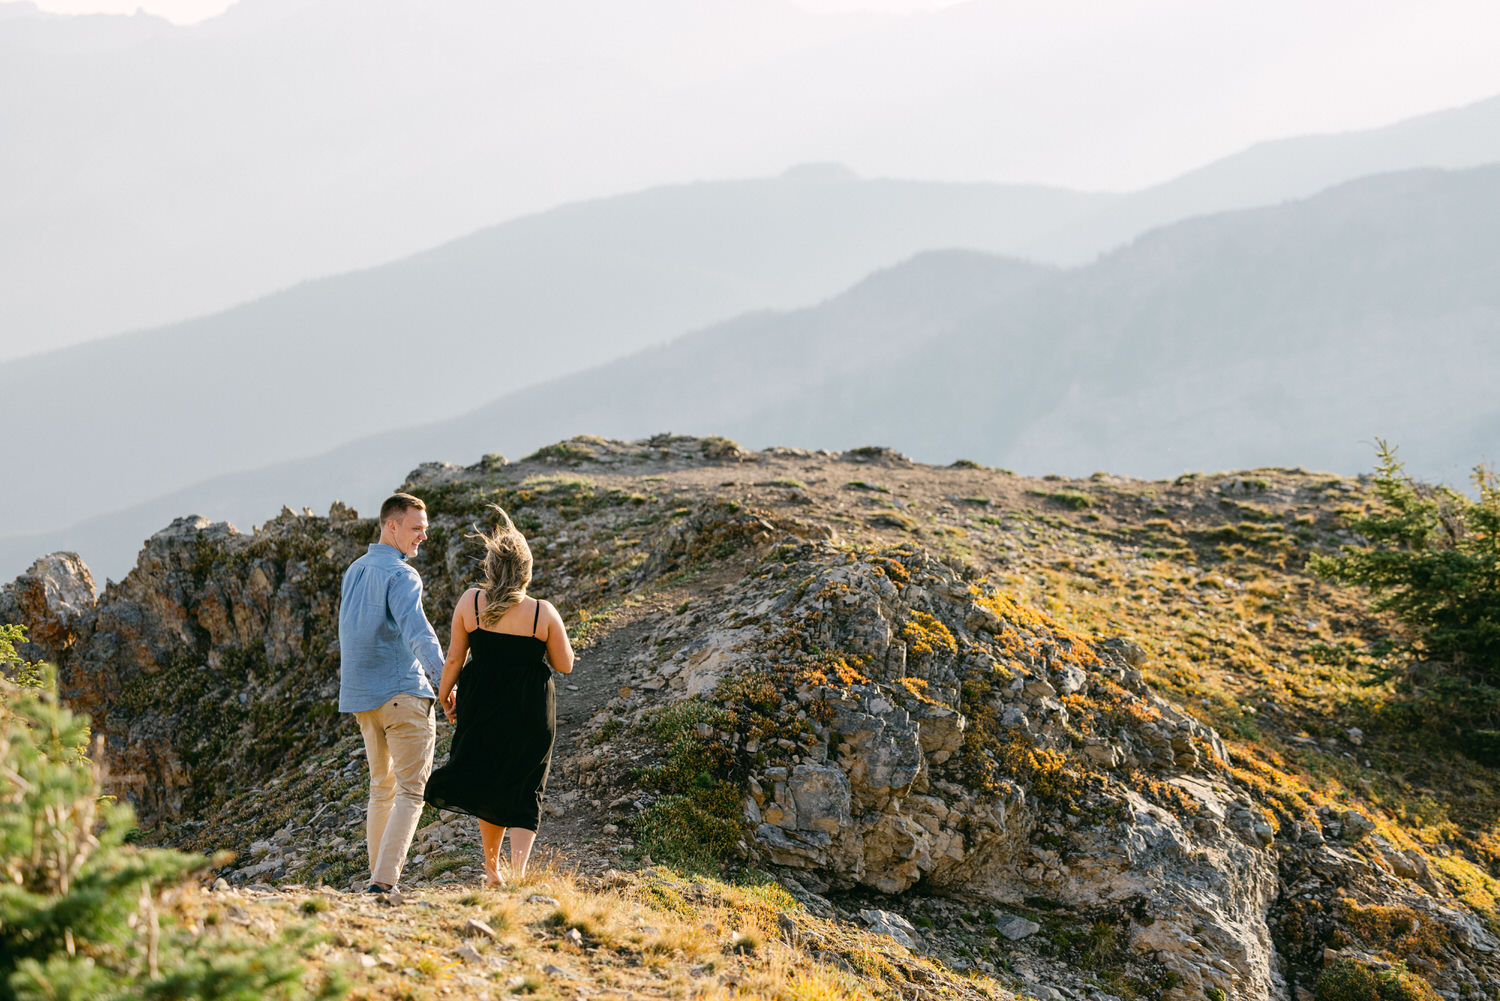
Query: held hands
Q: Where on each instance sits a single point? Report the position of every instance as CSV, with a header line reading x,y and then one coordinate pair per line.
x,y
449,702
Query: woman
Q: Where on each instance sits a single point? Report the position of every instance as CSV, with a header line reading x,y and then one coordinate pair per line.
x,y
502,745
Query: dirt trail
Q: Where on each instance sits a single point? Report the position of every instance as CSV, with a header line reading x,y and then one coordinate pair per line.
x,y
575,839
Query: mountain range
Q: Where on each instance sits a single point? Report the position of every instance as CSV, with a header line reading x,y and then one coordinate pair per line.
x,y
154,173
438,334
1286,335
718,307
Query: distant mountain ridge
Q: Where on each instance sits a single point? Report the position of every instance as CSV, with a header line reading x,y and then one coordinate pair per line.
x,y
1273,172
781,353
1275,336
437,334
1283,336
145,184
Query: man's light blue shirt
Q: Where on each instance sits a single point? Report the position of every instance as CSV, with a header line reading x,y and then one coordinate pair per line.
x,y
386,645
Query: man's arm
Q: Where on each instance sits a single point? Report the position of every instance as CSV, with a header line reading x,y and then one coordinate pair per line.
x,y
404,598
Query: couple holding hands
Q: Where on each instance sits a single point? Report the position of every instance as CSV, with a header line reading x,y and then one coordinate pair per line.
x,y
392,674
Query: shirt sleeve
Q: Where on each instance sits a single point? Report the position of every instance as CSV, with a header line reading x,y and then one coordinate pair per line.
x,y
405,601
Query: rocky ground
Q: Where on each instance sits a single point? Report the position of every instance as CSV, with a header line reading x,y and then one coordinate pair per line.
x,y
1092,739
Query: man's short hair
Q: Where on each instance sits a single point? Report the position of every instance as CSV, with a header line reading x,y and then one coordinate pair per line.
x,y
396,506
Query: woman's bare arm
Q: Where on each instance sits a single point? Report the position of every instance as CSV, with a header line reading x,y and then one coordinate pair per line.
x,y
458,650
559,649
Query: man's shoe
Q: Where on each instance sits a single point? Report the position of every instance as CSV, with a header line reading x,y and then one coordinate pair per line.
x,y
377,888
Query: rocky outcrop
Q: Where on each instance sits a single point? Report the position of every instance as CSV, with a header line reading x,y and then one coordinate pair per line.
x,y
53,599
895,725
962,743
209,663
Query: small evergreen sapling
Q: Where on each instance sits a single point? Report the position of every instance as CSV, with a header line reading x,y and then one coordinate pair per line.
x,y
82,914
1432,557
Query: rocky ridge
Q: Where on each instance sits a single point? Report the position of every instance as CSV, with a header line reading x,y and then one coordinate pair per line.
x,y
898,738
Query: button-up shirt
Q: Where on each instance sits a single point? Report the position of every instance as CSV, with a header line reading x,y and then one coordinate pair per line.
x,y
386,645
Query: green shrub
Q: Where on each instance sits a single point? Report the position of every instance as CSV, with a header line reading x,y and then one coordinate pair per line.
x,y
81,912
1073,500
1433,558
1350,980
696,831
11,665
696,821
562,452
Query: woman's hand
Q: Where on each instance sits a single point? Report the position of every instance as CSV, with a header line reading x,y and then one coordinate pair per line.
x,y
458,651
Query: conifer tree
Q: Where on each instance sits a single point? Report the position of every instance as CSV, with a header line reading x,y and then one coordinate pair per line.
x,y
1432,557
82,914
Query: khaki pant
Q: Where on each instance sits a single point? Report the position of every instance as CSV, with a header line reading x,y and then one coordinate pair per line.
x,y
400,737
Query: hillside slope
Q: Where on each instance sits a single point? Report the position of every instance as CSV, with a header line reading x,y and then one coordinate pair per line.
x,y
437,334
1105,736
1273,172
1293,334
1270,336
715,376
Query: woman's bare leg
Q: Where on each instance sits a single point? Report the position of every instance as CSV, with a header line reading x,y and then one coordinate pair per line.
x,y
520,850
492,835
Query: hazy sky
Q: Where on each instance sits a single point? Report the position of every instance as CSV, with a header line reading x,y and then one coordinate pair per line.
x,y
1273,68
189,11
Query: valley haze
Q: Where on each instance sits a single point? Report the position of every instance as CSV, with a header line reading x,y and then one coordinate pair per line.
x,y
1281,336
154,172
1033,327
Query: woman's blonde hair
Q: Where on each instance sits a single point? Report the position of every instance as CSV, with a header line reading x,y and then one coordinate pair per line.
x,y
507,568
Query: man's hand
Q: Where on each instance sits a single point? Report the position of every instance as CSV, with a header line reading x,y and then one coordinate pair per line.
x,y
450,705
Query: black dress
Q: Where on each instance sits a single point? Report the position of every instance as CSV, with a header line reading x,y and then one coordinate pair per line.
x,y
502,741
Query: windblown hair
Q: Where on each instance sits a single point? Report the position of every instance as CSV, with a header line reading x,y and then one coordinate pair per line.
x,y
507,568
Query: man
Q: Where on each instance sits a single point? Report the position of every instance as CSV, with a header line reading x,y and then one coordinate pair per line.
x,y
390,663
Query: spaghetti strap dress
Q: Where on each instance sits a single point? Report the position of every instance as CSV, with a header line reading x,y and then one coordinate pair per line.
x,y
502,741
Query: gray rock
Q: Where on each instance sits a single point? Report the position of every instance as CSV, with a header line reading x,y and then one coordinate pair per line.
x,y
800,849
1038,688
1409,864
880,754
1104,752
820,794
1070,679
1356,826
1014,717
53,600
1015,927
940,730
892,924
981,619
